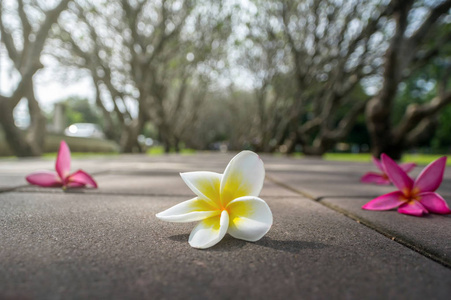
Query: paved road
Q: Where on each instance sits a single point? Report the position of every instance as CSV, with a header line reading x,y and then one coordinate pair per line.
x,y
107,243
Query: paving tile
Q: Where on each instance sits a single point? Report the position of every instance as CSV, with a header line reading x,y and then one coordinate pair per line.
x,y
319,184
160,183
320,178
69,246
215,162
26,166
166,185
14,171
431,234
445,187
8,181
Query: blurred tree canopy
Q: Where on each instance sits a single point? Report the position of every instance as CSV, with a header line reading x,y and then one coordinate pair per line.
x,y
273,75
24,28
147,56
420,38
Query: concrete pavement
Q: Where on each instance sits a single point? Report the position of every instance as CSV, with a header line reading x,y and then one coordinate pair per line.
x,y
107,243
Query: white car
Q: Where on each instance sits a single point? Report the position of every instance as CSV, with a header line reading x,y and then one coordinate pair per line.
x,y
84,130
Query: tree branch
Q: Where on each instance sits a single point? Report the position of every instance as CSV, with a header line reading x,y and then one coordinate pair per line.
x,y
430,21
7,39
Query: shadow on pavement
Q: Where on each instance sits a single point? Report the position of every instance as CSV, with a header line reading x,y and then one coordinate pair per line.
x,y
289,246
179,237
229,243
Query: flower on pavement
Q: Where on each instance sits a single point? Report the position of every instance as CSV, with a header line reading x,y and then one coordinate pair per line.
x,y
413,197
225,203
382,178
62,176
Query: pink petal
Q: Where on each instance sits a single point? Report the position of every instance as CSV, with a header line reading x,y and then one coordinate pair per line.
x,y
407,167
431,177
434,203
413,208
80,179
376,178
44,178
378,164
399,178
63,160
386,202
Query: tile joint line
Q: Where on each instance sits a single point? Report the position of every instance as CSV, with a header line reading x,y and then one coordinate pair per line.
x,y
365,223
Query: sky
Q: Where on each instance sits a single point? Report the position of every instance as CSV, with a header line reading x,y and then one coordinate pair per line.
x,y
49,89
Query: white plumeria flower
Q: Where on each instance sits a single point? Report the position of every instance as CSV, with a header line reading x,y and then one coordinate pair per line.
x,y
225,203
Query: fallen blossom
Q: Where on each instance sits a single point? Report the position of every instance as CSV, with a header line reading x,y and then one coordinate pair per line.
x,y
225,203
382,177
413,197
62,176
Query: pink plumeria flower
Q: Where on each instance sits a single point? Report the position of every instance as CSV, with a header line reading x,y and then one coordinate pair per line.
x,y
62,176
414,197
382,178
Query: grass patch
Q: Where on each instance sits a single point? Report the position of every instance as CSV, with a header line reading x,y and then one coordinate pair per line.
x,y
358,157
155,151
159,150
187,151
420,159
424,159
52,155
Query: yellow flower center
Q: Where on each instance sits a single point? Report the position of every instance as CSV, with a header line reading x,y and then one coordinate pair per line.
x,y
411,195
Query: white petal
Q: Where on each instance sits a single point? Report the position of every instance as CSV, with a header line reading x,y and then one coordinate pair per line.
x,y
250,218
204,184
209,231
188,211
243,176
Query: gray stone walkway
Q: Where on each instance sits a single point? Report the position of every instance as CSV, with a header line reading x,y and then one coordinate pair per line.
x,y
107,243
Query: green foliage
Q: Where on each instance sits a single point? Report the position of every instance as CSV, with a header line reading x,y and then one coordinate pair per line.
x,y
356,157
159,150
79,110
150,130
441,142
52,155
155,151
420,88
424,159
359,133
420,159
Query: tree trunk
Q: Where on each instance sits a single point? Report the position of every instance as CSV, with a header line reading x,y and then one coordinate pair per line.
x,y
129,138
379,127
36,133
290,142
399,57
394,150
320,146
312,151
13,135
167,147
177,144
37,130
165,136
